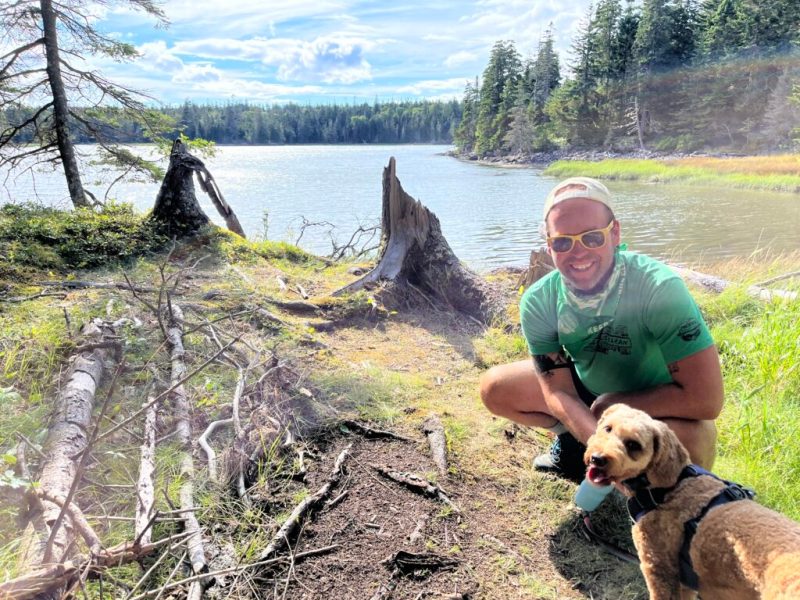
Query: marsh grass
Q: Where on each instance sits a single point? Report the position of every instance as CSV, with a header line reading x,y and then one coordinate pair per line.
x,y
759,346
754,173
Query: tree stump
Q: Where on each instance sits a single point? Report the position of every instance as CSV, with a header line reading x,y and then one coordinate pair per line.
x,y
177,211
415,253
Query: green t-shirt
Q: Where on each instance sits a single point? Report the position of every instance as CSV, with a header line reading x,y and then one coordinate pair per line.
x,y
622,338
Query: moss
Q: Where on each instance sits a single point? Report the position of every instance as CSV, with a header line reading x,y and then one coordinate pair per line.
x,y
36,238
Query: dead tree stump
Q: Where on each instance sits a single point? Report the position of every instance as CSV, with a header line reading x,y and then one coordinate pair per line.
x,y
177,211
415,253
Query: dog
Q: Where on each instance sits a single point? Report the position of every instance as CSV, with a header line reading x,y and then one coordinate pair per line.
x,y
739,550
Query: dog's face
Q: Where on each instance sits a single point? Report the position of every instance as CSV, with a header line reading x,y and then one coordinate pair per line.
x,y
629,442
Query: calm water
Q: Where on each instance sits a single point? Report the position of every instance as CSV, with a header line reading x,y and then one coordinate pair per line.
x,y
489,215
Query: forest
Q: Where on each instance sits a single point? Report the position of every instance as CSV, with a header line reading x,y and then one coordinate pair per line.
x,y
401,122
665,75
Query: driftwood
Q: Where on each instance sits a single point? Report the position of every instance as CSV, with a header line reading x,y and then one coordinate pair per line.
x,y
717,285
177,211
415,254
67,440
436,440
183,427
418,484
306,505
145,493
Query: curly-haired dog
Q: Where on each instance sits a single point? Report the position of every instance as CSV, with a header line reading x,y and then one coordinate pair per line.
x,y
738,550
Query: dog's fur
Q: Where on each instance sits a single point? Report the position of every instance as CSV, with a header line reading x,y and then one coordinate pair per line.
x,y
741,550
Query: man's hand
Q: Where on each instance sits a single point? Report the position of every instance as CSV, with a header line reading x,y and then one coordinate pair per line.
x,y
603,401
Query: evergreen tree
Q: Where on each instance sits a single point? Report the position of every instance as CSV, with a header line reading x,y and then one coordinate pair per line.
x,y
497,96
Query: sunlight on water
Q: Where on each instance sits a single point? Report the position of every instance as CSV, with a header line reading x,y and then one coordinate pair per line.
x,y
489,215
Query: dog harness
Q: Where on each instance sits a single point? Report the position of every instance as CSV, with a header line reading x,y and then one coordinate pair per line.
x,y
646,499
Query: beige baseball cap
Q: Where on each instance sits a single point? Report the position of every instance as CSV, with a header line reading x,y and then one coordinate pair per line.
x,y
577,187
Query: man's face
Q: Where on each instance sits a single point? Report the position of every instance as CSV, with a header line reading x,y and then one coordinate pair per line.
x,y
584,270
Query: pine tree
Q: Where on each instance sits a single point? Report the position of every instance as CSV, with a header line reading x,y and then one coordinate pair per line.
x,y
497,96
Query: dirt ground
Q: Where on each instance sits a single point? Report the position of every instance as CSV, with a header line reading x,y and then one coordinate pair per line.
x,y
513,534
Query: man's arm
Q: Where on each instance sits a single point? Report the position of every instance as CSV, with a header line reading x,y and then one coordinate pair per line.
x,y
560,396
696,391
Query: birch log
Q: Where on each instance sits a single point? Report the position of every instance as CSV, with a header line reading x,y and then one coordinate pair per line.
x,y
145,495
183,427
68,437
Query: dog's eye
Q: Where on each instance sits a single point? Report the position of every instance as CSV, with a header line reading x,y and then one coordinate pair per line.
x,y
608,428
633,446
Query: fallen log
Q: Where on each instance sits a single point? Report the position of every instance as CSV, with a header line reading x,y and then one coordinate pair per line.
x,y
415,254
145,493
177,211
68,439
183,427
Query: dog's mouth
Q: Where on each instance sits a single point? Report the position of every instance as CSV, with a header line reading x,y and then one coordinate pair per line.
x,y
598,476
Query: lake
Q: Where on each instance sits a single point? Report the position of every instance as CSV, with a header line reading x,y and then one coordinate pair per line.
x,y
489,215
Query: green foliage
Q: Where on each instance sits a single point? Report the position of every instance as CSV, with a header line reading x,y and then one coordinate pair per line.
x,y
40,238
237,249
669,75
760,352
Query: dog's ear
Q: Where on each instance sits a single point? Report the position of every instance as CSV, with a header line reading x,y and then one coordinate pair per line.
x,y
669,457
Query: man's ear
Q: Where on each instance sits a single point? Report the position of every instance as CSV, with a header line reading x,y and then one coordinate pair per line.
x,y
616,233
669,457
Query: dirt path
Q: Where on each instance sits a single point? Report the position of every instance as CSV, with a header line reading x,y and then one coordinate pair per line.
x,y
516,535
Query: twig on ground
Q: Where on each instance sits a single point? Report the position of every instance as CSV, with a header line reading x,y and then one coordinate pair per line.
x,y
210,454
369,432
417,483
436,440
307,504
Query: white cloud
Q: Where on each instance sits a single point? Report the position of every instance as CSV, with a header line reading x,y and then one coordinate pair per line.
x,y
453,87
459,58
198,73
329,59
156,56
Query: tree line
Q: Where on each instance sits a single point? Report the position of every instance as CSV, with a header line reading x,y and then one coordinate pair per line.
x,y
242,123
669,75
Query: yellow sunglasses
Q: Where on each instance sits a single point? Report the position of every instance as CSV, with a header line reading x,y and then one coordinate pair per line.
x,y
596,238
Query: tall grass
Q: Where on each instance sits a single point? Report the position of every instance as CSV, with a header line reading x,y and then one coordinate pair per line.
x,y
755,173
760,351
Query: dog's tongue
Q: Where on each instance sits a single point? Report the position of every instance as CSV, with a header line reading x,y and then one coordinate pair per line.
x,y
597,476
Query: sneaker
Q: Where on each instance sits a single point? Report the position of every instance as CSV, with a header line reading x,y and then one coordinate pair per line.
x,y
565,459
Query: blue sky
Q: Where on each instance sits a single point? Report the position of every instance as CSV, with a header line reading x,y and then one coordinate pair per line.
x,y
325,51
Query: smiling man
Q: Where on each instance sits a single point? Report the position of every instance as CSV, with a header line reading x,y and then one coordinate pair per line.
x,y
606,326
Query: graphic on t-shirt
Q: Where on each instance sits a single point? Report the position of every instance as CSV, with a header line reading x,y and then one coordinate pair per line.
x,y
612,338
689,330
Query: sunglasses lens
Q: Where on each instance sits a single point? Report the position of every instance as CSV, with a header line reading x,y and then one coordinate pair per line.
x,y
561,244
593,239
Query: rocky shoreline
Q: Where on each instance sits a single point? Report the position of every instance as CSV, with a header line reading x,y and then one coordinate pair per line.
x,y
544,159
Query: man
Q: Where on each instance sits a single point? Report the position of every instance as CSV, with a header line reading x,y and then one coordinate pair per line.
x,y
606,326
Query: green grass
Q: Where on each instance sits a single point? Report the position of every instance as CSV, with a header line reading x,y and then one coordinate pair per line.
x,y
759,347
653,171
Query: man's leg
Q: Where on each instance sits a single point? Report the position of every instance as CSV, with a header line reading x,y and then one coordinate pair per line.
x,y
698,437
512,391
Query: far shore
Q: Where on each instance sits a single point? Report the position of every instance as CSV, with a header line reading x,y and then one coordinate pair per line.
x,y
776,172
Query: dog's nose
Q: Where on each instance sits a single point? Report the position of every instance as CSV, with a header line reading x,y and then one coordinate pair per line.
x,y
598,460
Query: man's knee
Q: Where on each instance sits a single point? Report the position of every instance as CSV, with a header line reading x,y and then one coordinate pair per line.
x,y
491,385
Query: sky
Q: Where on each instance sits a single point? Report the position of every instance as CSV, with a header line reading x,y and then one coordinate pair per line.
x,y
326,51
